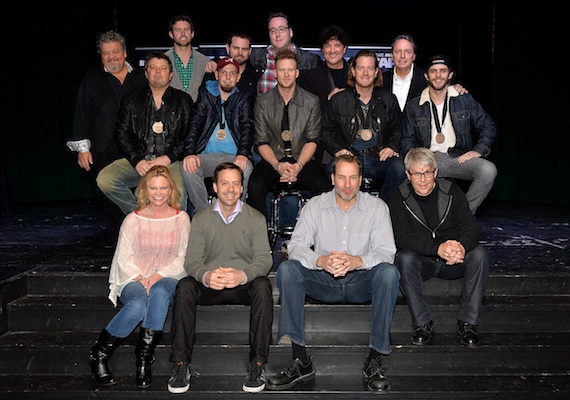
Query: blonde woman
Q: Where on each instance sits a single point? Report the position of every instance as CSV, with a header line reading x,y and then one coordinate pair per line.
x,y
146,267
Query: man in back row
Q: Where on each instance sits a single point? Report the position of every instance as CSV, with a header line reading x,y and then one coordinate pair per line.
x,y
280,35
98,100
188,63
238,47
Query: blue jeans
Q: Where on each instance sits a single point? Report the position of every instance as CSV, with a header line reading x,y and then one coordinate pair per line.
x,y
151,309
117,180
380,285
480,171
415,268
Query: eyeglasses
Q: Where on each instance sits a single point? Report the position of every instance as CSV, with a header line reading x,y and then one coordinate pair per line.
x,y
281,29
418,175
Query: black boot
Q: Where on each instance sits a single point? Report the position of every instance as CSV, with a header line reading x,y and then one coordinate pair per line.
x,y
99,357
148,340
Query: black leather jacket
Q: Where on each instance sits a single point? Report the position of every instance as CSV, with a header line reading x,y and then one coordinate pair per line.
x,y
134,120
340,124
207,113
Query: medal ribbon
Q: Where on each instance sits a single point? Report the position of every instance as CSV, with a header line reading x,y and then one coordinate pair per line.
x,y
363,119
223,116
285,127
435,114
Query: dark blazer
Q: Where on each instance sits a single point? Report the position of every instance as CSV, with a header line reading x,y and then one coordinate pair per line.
x,y
319,81
418,82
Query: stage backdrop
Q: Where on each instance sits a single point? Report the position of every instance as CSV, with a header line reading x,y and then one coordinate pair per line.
x,y
509,56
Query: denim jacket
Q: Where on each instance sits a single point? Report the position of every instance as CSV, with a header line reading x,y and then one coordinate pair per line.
x,y
467,118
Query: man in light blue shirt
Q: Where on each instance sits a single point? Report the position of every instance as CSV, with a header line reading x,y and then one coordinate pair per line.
x,y
342,250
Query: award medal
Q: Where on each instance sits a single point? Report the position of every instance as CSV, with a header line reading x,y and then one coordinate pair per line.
x,y
439,137
365,134
221,134
286,135
158,127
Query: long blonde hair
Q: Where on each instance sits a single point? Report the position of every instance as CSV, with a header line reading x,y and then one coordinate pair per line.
x,y
142,195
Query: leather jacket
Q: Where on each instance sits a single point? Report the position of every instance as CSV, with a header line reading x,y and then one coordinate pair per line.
x,y
304,120
134,120
466,115
340,122
206,114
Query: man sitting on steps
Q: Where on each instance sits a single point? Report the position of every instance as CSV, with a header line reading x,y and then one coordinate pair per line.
x,y
342,249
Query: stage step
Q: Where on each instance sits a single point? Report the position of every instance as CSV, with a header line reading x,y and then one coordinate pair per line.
x,y
50,320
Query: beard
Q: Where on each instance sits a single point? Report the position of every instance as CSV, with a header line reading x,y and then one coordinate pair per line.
x,y
346,196
226,88
445,84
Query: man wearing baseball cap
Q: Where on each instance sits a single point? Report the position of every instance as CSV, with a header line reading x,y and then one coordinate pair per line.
x,y
221,130
454,123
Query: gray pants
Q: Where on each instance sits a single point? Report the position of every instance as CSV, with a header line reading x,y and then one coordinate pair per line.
x,y
194,183
480,171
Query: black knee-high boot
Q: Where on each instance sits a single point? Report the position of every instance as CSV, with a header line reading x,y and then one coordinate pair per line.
x,y
99,357
148,340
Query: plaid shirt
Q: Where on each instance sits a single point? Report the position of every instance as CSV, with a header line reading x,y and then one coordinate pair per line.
x,y
268,81
184,72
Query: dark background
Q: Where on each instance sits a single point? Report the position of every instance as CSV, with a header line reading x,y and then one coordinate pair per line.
x,y
507,54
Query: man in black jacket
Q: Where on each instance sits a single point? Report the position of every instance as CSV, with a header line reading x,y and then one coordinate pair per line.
x,y
328,78
98,100
365,121
221,130
238,47
150,129
437,236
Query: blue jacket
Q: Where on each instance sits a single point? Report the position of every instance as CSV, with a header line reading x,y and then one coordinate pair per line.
x,y
206,114
468,119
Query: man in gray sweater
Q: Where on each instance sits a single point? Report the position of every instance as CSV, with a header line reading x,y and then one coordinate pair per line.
x,y
227,261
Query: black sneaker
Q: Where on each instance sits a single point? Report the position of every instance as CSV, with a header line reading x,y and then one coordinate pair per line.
x,y
373,375
293,373
255,379
467,334
423,334
179,381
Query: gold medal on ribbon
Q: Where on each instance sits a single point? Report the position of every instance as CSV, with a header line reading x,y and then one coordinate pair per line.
x,y
286,135
440,138
158,127
221,134
365,134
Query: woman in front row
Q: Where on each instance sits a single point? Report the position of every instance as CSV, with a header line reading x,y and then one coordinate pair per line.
x,y
146,267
